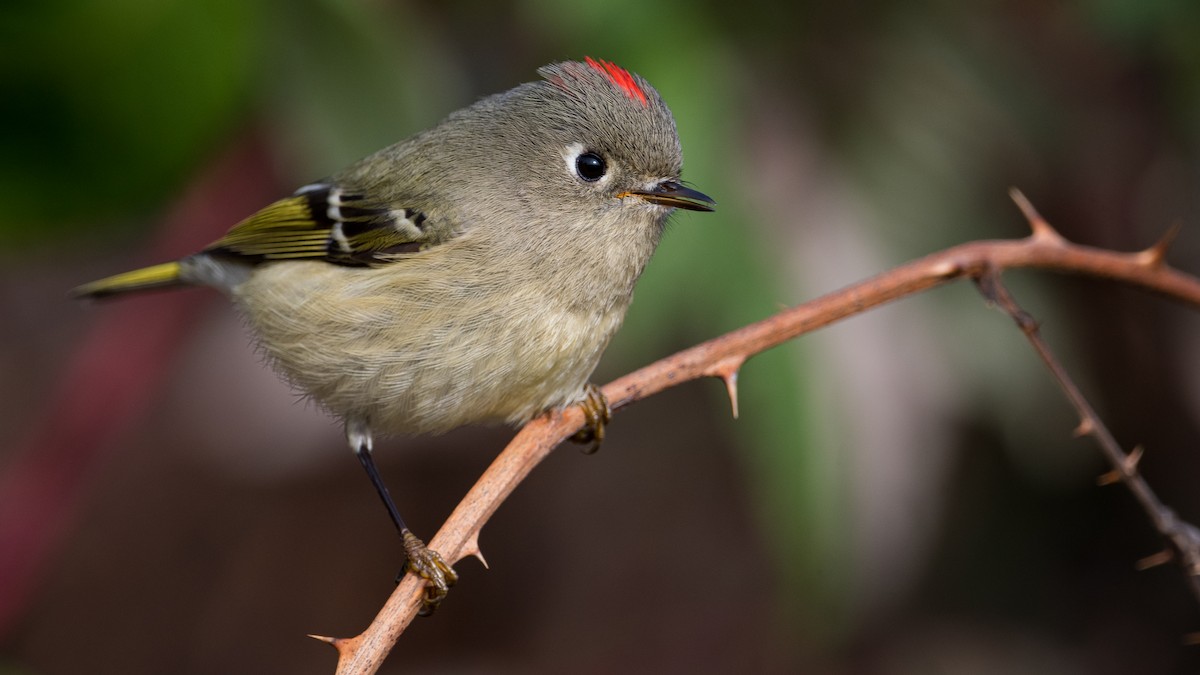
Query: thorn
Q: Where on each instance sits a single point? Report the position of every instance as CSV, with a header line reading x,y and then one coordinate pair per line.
x,y
1134,458
1161,558
731,388
1156,254
471,548
340,644
1129,467
727,370
1041,229
1085,428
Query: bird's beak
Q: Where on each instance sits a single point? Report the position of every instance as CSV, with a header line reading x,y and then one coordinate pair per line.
x,y
671,193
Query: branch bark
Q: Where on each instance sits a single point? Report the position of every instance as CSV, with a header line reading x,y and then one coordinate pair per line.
x,y
1183,539
723,356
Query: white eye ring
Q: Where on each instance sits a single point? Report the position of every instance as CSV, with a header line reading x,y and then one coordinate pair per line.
x,y
572,155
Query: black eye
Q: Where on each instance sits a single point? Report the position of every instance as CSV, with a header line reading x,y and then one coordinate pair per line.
x,y
590,166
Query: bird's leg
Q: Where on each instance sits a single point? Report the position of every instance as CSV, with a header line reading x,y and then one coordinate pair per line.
x,y
597,414
426,563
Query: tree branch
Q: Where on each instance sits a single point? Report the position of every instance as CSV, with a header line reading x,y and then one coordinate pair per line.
x,y
723,356
1182,537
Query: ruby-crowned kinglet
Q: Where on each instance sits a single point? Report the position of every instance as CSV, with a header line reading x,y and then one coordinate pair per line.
x,y
474,272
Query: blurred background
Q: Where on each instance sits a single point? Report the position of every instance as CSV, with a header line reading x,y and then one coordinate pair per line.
x,y
901,493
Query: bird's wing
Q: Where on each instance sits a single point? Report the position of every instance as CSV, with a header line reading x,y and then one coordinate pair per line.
x,y
326,222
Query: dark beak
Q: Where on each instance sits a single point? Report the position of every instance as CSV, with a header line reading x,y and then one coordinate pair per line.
x,y
671,193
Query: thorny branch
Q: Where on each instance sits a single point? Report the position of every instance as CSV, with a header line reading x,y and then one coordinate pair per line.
x,y
1183,538
722,357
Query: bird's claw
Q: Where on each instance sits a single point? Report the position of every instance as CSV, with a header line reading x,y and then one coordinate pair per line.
x,y
597,414
429,565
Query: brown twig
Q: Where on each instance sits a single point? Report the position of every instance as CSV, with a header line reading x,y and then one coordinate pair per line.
x,y
723,356
1182,537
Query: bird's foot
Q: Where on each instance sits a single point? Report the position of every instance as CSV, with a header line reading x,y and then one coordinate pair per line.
x,y
429,565
597,414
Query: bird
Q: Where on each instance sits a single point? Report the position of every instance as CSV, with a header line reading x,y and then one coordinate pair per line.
x,y
472,273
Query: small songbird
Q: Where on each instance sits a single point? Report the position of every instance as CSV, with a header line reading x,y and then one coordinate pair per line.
x,y
474,272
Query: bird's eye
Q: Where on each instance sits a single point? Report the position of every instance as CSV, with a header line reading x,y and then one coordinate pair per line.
x,y
590,167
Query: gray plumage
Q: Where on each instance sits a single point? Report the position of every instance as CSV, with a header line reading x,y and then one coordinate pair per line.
x,y
472,273
525,274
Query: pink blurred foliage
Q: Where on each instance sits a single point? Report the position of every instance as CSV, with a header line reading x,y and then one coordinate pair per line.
x,y
111,380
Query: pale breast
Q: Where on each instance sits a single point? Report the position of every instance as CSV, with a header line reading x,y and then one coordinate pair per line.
x,y
414,356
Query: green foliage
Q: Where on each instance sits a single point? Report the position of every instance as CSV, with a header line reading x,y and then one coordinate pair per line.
x,y
108,105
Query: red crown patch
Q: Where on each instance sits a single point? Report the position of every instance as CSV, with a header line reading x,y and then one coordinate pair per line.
x,y
619,77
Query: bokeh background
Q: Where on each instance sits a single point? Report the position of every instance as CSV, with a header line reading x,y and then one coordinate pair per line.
x,y
901,493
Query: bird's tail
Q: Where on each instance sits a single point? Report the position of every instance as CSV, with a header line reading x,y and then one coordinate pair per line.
x,y
155,276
